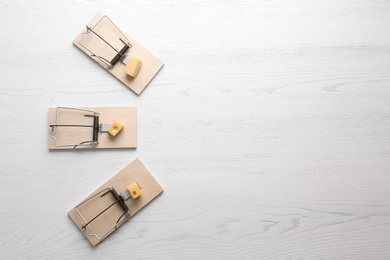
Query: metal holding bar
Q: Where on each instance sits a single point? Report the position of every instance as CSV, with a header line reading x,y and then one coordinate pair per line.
x,y
120,54
90,29
52,126
95,127
86,224
118,199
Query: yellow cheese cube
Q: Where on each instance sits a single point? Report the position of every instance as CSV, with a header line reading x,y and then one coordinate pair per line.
x,y
134,190
133,67
115,128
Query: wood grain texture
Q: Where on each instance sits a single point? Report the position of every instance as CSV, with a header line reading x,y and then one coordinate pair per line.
x,y
286,102
134,172
127,138
105,29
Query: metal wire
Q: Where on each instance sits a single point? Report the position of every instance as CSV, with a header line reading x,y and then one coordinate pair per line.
x,y
55,129
120,220
89,29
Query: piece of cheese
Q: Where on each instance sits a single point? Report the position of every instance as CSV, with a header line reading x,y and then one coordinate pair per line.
x,y
133,67
115,128
134,190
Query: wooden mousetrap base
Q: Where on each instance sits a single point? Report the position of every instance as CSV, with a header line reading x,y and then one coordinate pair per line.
x,y
134,172
150,63
127,138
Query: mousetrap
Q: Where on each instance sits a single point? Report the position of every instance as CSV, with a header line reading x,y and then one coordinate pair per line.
x,y
92,127
118,53
113,203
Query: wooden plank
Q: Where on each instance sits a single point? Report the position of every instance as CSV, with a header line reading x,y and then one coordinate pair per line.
x,y
134,172
127,138
150,63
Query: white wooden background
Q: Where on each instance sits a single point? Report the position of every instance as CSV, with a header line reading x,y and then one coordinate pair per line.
x,y
268,127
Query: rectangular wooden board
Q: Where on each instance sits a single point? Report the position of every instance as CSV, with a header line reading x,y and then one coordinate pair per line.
x,y
127,138
150,63
134,172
